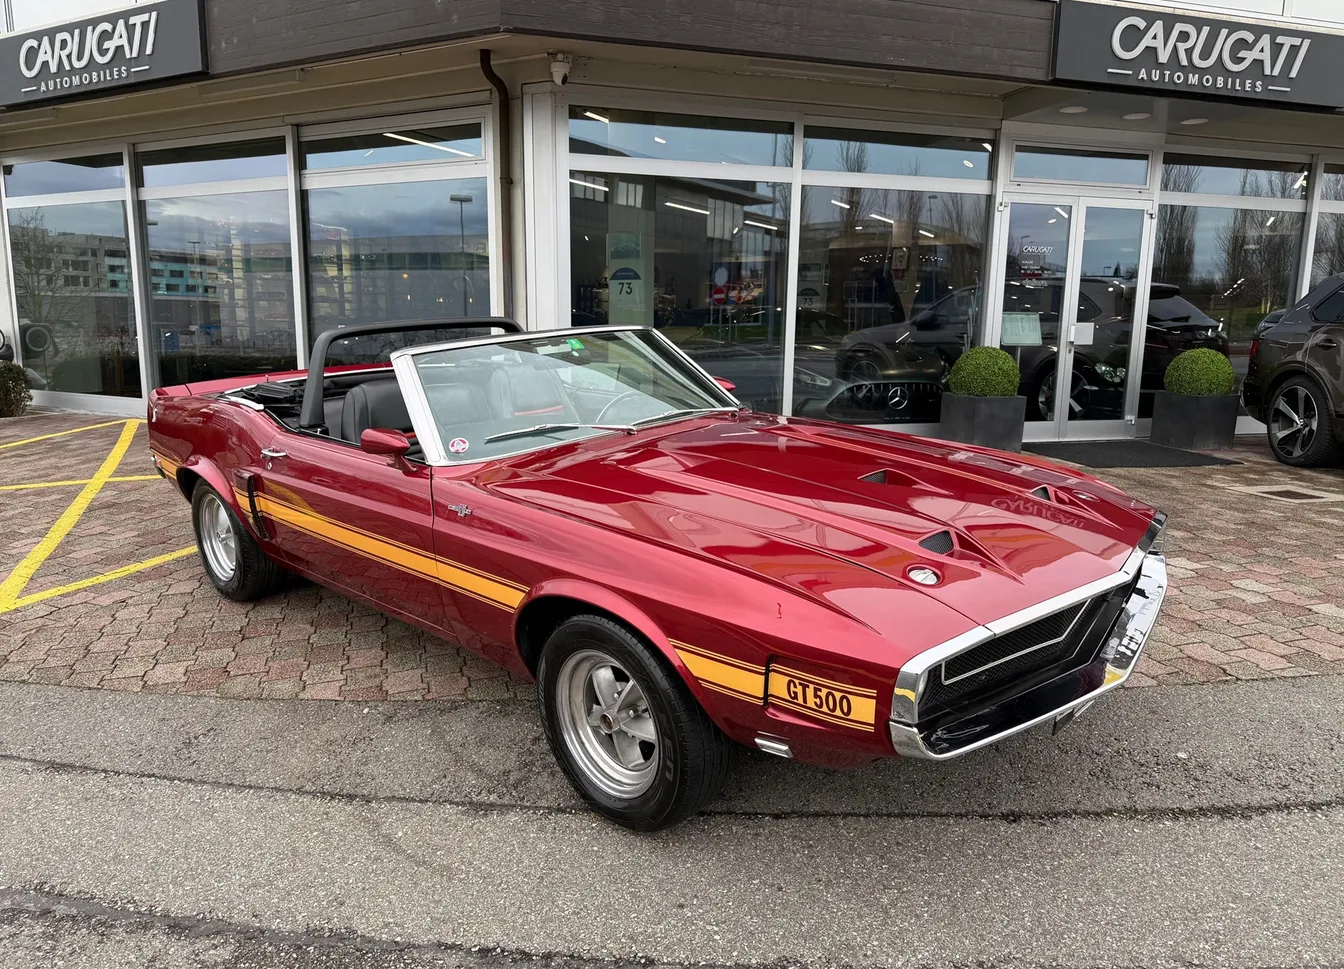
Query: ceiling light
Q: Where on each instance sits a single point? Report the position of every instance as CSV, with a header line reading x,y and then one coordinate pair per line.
x,y
1061,212
1189,121
882,218
661,141
926,233
1073,109
1301,181
1137,116
579,181
843,205
1271,221
988,146
968,163
686,208
596,117
1052,222
759,225
427,144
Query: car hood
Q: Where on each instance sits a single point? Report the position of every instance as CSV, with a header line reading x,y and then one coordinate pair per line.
x,y
838,513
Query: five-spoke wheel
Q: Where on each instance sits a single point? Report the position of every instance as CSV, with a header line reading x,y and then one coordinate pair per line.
x,y
1301,426
624,726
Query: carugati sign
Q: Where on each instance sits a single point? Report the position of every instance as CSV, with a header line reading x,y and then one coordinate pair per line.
x,y
146,42
1173,53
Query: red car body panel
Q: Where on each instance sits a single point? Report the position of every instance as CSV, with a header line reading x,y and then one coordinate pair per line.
x,y
749,549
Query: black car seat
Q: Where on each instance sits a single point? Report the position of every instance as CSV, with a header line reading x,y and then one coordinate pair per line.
x,y
377,403
522,391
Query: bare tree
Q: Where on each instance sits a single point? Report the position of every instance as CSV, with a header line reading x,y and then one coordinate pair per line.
x,y
1175,256
39,273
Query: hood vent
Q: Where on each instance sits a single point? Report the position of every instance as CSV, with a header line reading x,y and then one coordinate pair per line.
x,y
940,543
889,477
1042,493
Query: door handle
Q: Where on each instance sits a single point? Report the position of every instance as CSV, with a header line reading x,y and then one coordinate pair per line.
x,y
1328,344
271,452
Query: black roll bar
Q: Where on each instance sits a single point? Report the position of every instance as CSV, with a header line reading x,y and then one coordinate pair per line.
x,y
311,415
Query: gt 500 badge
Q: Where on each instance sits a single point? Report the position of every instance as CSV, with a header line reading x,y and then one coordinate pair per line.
x,y
822,699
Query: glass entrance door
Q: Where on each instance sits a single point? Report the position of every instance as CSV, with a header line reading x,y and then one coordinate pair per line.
x,y
1075,283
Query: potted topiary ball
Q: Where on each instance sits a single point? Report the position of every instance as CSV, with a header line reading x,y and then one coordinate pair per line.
x,y
14,395
1198,410
982,406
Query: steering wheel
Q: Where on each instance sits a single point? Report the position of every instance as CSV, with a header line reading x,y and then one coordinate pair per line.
x,y
601,418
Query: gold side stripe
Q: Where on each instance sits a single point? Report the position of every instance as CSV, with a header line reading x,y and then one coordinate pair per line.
x,y
725,677
717,657
732,693
492,591
832,684
777,700
398,544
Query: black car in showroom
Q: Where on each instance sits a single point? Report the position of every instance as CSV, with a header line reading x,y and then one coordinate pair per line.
x,y
1295,379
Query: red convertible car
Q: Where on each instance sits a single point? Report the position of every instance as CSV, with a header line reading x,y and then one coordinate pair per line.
x,y
590,508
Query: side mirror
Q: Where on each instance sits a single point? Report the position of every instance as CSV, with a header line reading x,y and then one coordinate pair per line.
x,y
388,443
726,384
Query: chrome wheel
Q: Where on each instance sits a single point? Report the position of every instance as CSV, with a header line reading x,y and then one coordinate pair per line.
x,y
218,541
1293,421
605,721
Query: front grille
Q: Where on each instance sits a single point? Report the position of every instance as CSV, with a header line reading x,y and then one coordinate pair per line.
x,y
1054,645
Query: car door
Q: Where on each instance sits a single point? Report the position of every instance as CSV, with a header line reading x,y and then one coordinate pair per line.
x,y
354,522
1324,348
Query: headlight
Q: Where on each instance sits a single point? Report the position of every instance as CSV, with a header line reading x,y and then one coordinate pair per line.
x,y
809,379
1115,375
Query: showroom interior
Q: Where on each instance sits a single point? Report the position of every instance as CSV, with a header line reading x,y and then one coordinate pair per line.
x,y
829,237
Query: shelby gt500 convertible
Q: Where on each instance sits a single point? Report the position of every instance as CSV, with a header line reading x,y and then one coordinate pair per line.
x,y
590,508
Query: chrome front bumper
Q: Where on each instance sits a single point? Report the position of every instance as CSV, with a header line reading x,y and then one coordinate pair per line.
x,y
1061,699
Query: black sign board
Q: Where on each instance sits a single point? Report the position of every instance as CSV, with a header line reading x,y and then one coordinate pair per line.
x,y
146,42
1177,54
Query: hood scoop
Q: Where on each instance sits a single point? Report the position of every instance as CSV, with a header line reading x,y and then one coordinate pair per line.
x,y
939,543
1042,493
886,476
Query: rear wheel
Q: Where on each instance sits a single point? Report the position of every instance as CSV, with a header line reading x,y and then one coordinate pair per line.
x,y
1301,424
625,729
233,560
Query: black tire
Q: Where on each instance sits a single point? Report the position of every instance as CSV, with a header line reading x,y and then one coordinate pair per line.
x,y
254,575
1311,444
692,756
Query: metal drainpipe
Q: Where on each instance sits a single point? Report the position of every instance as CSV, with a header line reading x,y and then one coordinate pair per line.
x,y
505,154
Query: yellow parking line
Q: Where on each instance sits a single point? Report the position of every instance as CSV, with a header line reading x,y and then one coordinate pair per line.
x,y
13,586
11,605
83,481
48,437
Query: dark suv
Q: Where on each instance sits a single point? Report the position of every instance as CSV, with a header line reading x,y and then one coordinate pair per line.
x,y
1295,380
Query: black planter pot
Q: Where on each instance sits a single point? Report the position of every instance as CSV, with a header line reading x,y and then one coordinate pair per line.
x,y
1194,423
987,421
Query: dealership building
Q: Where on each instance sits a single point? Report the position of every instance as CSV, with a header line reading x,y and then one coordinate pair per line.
x,y
825,204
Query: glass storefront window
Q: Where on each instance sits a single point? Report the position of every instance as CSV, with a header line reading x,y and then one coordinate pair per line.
x,y
221,285
1332,184
89,173
704,261
1213,175
430,144
1080,165
1329,256
896,153
657,134
1225,269
408,250
71,271
888,298
199,164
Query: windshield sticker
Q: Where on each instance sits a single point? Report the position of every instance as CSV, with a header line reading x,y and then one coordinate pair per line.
x,y
575,344
458,445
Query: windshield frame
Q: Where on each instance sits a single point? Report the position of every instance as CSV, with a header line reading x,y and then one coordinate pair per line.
x,y
427,429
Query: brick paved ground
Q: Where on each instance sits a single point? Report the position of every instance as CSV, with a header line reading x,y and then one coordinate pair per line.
x,y
1259,590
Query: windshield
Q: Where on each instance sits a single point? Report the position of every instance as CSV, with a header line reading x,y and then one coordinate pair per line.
x,y
1177,309
520,395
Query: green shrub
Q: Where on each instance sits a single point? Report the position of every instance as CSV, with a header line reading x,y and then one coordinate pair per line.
x,y
985,372
1200,373
14,395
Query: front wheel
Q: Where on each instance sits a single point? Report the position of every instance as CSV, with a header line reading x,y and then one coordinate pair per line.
x,y
1302,425
233,560
625,729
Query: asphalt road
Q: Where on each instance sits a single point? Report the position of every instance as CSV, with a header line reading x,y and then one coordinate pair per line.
x,y
1168,827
